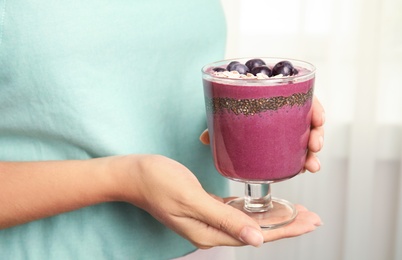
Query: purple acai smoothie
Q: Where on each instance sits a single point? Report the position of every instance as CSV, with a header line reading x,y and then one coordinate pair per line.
x,y
259,125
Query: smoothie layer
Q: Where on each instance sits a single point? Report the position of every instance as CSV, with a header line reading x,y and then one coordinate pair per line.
x,y
259,133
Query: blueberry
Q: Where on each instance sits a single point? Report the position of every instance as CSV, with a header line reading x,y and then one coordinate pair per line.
x,y
241,68
254,63
262,69
285,68
218,69
231,65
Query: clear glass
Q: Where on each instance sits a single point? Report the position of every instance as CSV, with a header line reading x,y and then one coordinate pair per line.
x,y
259,130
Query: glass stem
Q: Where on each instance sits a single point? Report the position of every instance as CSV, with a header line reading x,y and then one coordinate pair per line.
x,y
257,197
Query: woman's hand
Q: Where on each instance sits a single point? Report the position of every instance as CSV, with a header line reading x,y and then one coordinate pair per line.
x,y
173,195
161,186
316,140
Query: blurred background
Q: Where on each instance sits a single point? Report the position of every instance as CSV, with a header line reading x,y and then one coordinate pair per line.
x,y
356,46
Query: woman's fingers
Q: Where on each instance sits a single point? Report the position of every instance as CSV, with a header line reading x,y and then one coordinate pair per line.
x,y
318,115
305,222
230,228
316,139
312,164
224,225
202,235
229,220
204,137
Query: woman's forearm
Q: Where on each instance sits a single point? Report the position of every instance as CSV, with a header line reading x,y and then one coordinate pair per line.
x,y
35,190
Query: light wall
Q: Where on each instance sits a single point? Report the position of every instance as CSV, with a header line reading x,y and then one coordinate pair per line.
x,y
356,46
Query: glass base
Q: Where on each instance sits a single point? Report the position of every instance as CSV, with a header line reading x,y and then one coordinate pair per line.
x,y
281,213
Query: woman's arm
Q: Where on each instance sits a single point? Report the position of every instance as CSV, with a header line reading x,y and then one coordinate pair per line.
x,y
34,190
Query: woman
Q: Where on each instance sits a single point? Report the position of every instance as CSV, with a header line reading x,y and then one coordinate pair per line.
x,y
99,160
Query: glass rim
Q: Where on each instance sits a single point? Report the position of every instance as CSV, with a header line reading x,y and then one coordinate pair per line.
x,y
255,82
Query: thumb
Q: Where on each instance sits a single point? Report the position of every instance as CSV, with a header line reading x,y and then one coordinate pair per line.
x,y
231,221
204,137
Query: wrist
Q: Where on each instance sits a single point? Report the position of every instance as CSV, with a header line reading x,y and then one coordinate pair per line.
x,y
124,173
133,178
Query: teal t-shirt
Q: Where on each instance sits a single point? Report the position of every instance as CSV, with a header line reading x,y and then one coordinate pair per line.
x,y
85,79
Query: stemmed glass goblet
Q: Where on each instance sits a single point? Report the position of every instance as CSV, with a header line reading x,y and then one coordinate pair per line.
x,y
259,126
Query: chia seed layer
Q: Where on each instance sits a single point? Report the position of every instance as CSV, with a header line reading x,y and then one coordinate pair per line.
x,y
250,107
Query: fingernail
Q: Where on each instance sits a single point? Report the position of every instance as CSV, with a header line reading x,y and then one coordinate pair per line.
x,y
318,164
251,236
320,224
321,141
